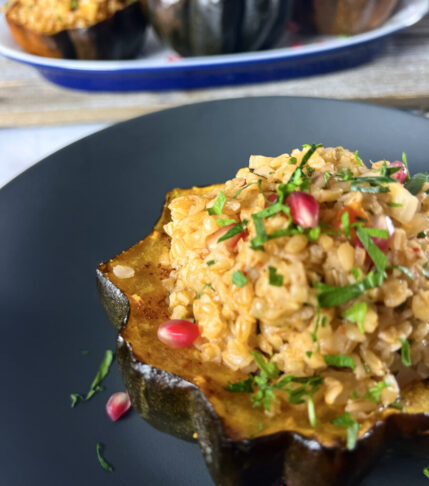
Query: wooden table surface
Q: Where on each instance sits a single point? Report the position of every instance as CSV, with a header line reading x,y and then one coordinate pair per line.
x,y
398,77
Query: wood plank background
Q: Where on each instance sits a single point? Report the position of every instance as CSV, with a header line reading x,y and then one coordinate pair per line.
x,y
399,77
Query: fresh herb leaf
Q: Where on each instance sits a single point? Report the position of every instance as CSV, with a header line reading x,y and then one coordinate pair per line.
x,y
375,232
421,235
344,174
243,188
406,271
201,292
292,161
376,255
104,464
306,158
239,279
394,205
275,278
405,352
357,313
416,183
345,221
311,411
335,296
358,159
235,230
357,273
348,422
397,404
211,262
244,386
309,354
374,393
405,162
269,368
313,233
217,207
425,271
225,222
99,377
339,361
426,471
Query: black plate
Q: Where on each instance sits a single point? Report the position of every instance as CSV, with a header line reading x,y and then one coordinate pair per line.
x,y
85,204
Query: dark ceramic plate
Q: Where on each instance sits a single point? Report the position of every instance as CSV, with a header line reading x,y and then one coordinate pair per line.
x,y
85,204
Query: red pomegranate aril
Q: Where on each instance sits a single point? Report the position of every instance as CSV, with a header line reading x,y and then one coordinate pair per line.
x,y
384,223
178,333
304,209
118,404
272,198
402,174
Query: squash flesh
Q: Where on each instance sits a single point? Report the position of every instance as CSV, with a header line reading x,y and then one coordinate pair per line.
x,y
239,419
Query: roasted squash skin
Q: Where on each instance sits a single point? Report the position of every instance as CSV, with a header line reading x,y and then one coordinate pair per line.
x,y
199,28
118,37
177,393
342,17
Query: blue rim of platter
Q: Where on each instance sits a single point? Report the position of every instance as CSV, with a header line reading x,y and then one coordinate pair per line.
x,y
334,53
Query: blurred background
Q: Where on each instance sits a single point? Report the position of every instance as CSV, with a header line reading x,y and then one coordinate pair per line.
x,y
71,67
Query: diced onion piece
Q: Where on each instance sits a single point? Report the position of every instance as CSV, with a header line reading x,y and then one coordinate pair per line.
x,y
304,209
408,203
117,405
402,174
178,333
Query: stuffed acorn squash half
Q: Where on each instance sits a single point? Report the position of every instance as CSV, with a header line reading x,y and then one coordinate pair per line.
x,y
281,319
77,29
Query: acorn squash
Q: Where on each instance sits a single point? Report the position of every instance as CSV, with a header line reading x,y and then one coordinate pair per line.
x,y
198,27
119,36
342,17
177,393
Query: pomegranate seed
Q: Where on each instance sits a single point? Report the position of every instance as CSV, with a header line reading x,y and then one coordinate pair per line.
x,y
402,174
272,198
230,243
117,405
304,209
178,333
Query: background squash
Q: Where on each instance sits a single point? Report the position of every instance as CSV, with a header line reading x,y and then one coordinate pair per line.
x,y
198,27
117,37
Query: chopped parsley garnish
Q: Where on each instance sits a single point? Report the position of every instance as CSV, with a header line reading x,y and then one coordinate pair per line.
x,y
292,161
235,230
275,278
394,205
217,207
104,464
405,162
372,184
405,352
211,262
334,296
345,221
357,313
426,471
358,159
406,271
374,393
377,256
357,274
243,188
425,271
339,361
239,279
225,222
344,174
348,422
205,286
309,354
421,235
397,404
95,387
298,389
415,184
